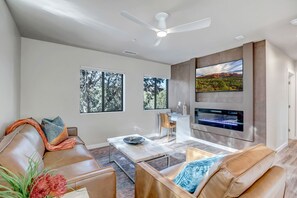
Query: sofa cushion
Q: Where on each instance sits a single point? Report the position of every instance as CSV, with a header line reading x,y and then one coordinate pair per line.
x,y
236,173
33,136
77,169
271,184
172,171
192,174
17,151
66,157
5,140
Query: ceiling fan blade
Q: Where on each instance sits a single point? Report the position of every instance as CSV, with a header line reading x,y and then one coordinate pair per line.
x,y
138,21
158,41
204,23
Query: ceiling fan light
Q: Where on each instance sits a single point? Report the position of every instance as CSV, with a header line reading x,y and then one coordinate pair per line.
x,y
161,34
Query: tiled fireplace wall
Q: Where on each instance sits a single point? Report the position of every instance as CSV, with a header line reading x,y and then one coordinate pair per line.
x,y
252,100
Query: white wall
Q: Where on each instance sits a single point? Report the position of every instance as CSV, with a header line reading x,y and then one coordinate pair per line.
x,y
277,66
50,87
10,46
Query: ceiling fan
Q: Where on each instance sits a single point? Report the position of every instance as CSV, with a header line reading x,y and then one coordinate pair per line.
x,y
162,30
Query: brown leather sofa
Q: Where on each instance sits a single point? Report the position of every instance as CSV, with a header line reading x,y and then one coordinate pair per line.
x,y
76,164
246,174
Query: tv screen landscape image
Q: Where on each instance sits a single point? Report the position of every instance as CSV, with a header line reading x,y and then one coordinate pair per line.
x,y
221,77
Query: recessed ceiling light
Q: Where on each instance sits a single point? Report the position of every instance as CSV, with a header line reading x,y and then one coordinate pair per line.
x,y
129,53
294,22
240,37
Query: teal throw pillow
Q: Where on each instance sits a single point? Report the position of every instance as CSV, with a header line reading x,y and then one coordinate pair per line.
x,y
54,130
192,174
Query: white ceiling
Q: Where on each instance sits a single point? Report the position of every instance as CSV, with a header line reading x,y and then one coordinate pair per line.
x,y
98,25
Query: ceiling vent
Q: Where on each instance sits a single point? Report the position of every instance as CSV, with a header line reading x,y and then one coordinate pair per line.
x,y
240,37
294,22
129,53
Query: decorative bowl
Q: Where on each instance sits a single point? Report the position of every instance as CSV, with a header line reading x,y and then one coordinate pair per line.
x,y
134,140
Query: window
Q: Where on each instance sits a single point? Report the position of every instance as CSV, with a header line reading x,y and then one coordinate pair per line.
x,y
100,91
155,93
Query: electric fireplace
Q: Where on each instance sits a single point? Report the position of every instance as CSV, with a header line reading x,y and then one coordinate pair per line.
x,y
227,119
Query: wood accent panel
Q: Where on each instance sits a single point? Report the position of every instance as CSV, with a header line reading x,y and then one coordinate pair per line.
x,y
220,57
260,92
219,97
179,89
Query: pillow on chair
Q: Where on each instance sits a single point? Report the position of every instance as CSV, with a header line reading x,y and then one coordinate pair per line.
x,y
54,130
192,174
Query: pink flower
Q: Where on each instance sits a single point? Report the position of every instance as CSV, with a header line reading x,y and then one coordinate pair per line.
x,y
40,187
58,185
46,184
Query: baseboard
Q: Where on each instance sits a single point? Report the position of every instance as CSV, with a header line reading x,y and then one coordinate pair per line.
x,y
281,147
93,146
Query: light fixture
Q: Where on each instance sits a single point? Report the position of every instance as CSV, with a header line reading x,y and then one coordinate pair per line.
x,y
294,21
240,37
161,34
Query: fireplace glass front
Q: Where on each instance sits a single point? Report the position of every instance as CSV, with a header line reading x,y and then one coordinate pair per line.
x,y
227,119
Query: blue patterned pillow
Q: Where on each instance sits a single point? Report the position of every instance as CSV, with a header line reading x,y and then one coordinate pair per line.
x,y
192,174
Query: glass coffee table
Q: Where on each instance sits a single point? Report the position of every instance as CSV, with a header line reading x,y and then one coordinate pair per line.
x,y
147,151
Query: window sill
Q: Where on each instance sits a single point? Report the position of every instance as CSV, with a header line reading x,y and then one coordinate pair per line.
x,y
84,114
148,110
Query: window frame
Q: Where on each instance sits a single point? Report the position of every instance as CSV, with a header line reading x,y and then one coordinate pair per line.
x,y
155,94
103,71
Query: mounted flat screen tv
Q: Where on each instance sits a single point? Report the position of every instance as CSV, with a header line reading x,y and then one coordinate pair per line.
x,y
222,77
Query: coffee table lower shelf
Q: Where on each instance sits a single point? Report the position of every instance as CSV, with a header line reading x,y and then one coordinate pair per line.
x,y
134,163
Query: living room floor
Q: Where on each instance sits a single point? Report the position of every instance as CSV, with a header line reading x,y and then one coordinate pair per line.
x,y
287,158
125,187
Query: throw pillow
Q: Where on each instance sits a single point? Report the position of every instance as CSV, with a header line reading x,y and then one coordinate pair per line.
x,y
54,130
192,174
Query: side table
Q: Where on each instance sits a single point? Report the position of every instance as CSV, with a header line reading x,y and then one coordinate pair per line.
x,y
80,193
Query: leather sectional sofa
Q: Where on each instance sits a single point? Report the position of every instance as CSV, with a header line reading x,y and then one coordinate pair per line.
x,y
249,173
76,164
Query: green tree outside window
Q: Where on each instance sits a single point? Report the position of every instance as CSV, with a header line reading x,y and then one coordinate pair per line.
x,y
155,93
100,91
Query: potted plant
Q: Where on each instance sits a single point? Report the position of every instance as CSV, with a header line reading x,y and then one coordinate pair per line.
x,y
34,184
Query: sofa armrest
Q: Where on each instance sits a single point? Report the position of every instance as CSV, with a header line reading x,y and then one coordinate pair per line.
x,y
196,154
150,183
98,183
72,131
271,184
